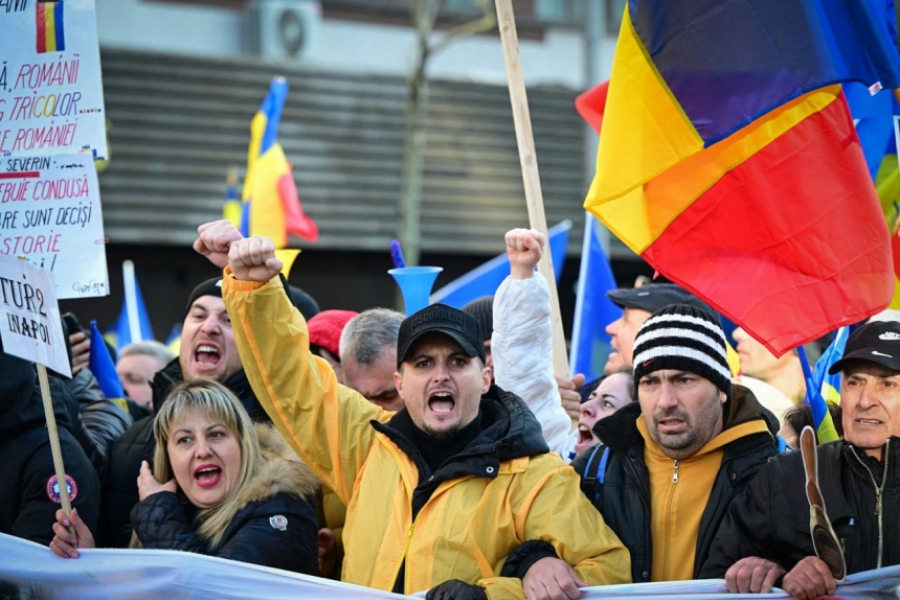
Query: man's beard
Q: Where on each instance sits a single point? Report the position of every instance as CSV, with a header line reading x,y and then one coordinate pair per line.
x,y
445,435
675,441
699,429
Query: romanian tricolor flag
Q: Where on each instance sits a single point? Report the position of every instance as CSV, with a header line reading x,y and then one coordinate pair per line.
x,y
830,385
271,205
51,30
728,159
823,389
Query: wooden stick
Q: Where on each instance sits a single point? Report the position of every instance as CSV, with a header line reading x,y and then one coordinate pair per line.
x,y
54,444
506,20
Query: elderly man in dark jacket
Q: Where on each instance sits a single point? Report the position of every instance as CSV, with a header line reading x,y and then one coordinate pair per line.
x,y
766,535
30,492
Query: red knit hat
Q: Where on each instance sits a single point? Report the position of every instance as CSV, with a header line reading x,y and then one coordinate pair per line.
x,y
325,329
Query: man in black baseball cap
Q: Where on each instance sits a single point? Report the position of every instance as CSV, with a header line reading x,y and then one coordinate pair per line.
x,y
877,342
765,536
870,387
459,325
435,349
637,305
464,464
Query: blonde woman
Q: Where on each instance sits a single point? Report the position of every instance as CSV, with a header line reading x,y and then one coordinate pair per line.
x,y
220,487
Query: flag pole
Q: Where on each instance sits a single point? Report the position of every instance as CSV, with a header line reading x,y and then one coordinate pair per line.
x,y
55,449
131,309
506,21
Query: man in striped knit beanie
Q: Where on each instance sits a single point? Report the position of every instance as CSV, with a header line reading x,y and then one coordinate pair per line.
x,y
673,461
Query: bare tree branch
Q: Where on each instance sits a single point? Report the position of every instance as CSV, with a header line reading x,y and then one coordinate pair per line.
x,y
425,14
486,22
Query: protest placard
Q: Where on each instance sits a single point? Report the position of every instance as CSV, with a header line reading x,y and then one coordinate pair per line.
x,y
51,93
30,327
50,213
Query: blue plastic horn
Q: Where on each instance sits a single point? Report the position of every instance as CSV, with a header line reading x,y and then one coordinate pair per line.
x,y
415,284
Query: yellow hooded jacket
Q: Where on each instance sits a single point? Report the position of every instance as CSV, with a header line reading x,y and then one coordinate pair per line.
x,y
469,524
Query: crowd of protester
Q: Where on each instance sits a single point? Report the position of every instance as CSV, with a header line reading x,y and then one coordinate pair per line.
x,y
438,452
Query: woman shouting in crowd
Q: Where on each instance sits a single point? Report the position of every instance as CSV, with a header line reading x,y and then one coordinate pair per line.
x,y
220,487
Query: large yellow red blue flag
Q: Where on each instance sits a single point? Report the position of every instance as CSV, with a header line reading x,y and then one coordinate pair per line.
x,y
271,206
728,159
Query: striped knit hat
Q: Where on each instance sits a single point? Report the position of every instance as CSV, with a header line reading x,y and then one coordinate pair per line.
x,y
683,338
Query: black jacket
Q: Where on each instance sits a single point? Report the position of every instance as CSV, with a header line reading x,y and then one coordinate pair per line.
x,y
120,491
27,504
101,421
625,495
770,519
274,524
509,430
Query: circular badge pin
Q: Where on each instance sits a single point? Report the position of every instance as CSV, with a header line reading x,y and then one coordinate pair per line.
x,y
278,522
53,489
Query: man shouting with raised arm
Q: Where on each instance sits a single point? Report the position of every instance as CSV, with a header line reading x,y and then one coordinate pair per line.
x,y
439,493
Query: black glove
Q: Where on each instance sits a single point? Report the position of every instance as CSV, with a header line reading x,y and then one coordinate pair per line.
x,y
454,589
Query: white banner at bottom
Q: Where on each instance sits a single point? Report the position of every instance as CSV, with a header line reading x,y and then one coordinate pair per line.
x,y
28,570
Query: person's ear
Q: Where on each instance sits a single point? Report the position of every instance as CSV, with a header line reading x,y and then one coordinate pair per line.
x,y
398,382
485,379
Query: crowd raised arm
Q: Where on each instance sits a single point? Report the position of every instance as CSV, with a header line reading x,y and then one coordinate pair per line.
x,y
437,452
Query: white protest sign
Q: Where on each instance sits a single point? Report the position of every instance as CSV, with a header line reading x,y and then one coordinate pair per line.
x,y
51,92
50,213
29,326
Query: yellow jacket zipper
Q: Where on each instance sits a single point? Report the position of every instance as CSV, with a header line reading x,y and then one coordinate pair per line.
x,y
670,501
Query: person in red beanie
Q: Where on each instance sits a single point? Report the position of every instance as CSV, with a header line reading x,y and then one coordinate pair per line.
x,y
325,336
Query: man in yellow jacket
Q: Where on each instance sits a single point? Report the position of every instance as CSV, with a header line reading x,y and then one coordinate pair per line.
x,y
439,494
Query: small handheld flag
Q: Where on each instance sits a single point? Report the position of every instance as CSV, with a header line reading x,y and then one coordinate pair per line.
x,y
825,431
397,254
133,324
101,365
593,309
271,206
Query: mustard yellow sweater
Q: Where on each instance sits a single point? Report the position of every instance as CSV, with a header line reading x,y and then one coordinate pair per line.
x,y
679,491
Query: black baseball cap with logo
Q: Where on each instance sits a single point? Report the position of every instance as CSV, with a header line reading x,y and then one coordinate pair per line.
x,y
654,296
440,318
877,342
